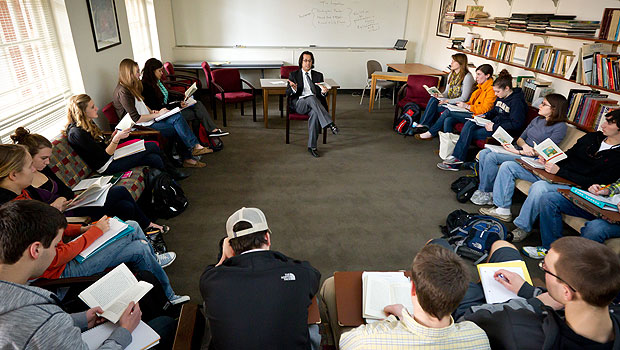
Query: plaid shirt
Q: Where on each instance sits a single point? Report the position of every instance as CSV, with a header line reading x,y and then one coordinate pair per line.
x,y
614,188
407,334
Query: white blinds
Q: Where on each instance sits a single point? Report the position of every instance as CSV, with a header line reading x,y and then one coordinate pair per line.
x,y
34,82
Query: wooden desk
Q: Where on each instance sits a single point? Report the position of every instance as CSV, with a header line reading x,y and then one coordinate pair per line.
x,y
348,289
542,174
262,65
401,74
271,87
611,216
314,317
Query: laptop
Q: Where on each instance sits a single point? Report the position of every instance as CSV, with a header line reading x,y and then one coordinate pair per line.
x,y
400,44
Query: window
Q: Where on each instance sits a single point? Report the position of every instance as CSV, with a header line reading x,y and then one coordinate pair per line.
x,y
34,82
141,18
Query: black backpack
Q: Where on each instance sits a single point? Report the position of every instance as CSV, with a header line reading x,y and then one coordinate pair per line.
x,y
166,197
411,114
470,234
465,186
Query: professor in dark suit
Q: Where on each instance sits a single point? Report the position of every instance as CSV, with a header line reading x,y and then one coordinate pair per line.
x,y
309,98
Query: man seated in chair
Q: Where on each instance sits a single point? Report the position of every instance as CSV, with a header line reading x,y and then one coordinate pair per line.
x,y
308,97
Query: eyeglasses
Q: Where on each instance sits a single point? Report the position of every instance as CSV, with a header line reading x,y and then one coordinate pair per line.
x,y
306,60
543,267
545,104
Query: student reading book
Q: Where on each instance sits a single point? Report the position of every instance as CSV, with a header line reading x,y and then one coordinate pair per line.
x,y
143,337
380,289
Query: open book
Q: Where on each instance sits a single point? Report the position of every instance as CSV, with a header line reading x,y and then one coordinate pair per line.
x,y
497,149
114,291
550,151
117,230
190,91
94,182
533,162
380,289
93,196
432,90
495,292
603,202
456,108
502,136
129,149
479,120
143,337
169,113
326,85
125,123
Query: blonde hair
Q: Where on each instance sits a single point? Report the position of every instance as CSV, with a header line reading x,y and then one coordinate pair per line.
x,y
76,114
128,80
12,158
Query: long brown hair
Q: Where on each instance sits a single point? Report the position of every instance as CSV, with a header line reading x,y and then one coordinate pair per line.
x,y
461,59
128,80
12,158
33,142
76,114
559,108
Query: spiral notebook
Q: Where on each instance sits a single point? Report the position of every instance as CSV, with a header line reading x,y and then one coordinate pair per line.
x,y
143,337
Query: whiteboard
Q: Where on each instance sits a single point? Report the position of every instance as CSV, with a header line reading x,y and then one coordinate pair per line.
x,y
289,23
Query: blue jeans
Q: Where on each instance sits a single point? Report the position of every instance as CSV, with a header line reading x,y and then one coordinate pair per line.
x,y
151,157
175,127
470,132
133,250
553,205
489,163
504,186
432,111
447,120
531,207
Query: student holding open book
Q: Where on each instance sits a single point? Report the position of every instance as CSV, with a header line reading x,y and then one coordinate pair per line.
x,y
594,159
458,89
508,113
480,102
157,97
128,99
48,188
550,123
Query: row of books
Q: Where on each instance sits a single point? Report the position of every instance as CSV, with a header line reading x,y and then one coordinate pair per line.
x,y
455,16
606,70
610,24
587,108
549,59
497,49
534,89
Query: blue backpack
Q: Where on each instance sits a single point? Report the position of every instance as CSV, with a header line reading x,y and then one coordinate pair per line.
x,y
404,124
469,234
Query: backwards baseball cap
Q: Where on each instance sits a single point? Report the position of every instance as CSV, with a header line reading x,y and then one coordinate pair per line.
x,y
253,216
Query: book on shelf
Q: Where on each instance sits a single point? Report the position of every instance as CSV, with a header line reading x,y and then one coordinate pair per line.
x,y
380,289
117,230
502,136
432,90
494,291
471,11
606,23
603,202
143,337
114,291
549,151
129,149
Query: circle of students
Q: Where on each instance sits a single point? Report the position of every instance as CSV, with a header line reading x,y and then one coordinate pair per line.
x,y
256,298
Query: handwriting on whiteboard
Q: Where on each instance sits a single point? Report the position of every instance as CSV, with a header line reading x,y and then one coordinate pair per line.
x,y
336,13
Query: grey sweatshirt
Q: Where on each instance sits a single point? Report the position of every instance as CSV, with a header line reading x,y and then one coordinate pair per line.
x,y
466,89
538,131
30,318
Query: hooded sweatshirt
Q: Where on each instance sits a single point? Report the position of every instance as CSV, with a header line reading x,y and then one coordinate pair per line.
x,y
509,112
31,318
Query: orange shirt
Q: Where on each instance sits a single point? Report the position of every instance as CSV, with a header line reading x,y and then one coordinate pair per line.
x,y
483,98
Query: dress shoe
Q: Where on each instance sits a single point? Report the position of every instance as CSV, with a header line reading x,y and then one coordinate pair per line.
x,y
201,151
334,128
314,152
197,164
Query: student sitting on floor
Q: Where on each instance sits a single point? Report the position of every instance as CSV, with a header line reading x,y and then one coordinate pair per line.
x,y
458,89
480,102
582,277
508,113
48,188
127,99
157,97
594,159
550,123
16,174
438,283
554,204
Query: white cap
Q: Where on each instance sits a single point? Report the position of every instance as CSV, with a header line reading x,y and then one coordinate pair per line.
x,y
253,216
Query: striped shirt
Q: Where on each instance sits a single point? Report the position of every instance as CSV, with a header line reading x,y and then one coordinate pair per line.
x,y
393,334
614,188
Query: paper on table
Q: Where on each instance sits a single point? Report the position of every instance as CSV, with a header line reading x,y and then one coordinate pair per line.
x,y
495,292
143,337
278,82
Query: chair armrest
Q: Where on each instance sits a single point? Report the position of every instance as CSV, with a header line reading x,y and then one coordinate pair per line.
x,y
187,71
217,86
79,219
248,84
400,93
176,83
181,76
64,282
190,329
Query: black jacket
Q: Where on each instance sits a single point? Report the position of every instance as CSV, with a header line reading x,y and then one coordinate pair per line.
x,y
509,112
297,78
84,144
586,166
6,195
154,99
259,300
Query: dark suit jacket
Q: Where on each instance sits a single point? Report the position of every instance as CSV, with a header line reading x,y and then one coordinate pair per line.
x,y
297,78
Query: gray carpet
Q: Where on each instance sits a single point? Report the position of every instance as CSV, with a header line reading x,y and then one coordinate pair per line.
x,y
369,202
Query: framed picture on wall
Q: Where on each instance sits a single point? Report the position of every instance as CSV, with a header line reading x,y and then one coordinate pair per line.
x,y
444,28
104,23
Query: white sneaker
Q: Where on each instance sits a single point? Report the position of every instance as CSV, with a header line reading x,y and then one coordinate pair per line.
x,y
535,252
483,198
492,212
518,235
166,259
179,299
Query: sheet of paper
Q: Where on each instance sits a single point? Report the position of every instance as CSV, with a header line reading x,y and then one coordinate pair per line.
x,y
550,151
143,337
169,113
116,226
278,82
381,289
494,291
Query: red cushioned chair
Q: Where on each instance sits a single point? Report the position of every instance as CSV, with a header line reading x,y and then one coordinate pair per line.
x,y
291,115
178,82
209,87
415,92
228,89
285,72
141,133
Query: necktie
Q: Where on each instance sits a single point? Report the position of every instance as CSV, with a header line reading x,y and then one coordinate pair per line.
x,y
309,81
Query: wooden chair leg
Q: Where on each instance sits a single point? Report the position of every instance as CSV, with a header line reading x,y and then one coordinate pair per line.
x,y
254,108
242,108
281,106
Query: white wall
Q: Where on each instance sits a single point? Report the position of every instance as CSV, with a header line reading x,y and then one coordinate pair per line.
x,y
436,54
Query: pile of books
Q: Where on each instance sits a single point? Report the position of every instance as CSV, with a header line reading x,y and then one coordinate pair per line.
x,y
541,22
573,27
610,24
502,23
518,21
455,16
534,89
537,23
587,108
486,22
548,59
496,49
